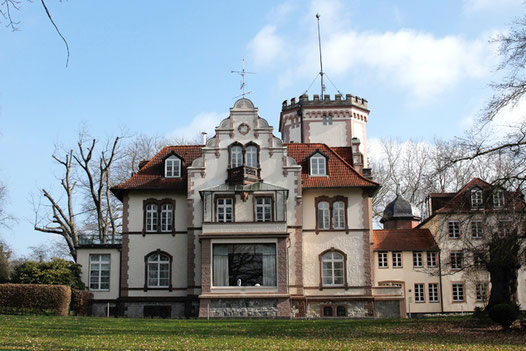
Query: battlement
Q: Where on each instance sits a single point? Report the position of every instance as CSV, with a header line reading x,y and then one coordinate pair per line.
x,y
304,100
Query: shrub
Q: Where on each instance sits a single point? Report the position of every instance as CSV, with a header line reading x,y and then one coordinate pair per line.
x,y
80,302
55,272
33,298
504,314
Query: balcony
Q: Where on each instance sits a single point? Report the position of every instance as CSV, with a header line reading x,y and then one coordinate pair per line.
x,y
243,175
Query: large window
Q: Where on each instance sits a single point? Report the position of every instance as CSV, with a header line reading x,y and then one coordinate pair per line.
x,y
244,265
166,217
419,293
456,259
476,198
225,209
338,215
323,215
458,292
476,229
158,270
318,165
172,167
252,156
99,274
332,269
397,259
433,292
151,217
382,259
454,229
236,156
263,209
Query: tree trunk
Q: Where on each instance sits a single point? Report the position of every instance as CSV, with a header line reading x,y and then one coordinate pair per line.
x,y
503,267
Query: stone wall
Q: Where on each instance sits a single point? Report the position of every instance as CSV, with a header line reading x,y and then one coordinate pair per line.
x,y
136,309
387,309
244,308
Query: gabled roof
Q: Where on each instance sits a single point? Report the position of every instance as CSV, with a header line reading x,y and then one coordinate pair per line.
x,y
151,175
458,202
340,172
404,240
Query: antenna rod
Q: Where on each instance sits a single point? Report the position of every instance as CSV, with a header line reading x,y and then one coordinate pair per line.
x,y
321,62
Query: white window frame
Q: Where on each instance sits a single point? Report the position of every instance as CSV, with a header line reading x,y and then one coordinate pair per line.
x,y
420,295
152,217
262,204
383,259
417,259
477,200
172,167
481,292
324,218
161,266
432,258
223,204
318,165
338,215
476,229
96,266
453,229
498,199
397,259
433,292
167,213
251,156
330,273
458,292
456,260
236,156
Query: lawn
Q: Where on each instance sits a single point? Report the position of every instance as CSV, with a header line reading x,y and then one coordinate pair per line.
x,y
90,333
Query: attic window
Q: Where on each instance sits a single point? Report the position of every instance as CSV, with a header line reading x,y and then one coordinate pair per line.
x,y
318,165
476,198
172,167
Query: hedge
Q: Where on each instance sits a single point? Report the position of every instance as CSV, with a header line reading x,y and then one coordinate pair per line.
x,y
35,298
80,302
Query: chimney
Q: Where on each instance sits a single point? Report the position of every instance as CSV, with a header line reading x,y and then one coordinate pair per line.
x,y
204,137
357,157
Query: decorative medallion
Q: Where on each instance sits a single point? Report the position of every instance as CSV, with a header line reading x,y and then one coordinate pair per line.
x,y
243,128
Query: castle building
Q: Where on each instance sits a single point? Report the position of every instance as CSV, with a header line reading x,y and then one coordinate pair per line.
x,y
249,224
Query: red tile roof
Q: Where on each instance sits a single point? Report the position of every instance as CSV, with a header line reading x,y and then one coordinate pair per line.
x,y
150,176
341,173
459,201
403,240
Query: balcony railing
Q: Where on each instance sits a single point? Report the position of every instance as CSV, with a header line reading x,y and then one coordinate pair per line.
x,y
243,175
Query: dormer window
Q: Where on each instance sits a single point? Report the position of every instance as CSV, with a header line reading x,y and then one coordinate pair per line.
x,y
236,156
172,167
318,165
476,198
498,199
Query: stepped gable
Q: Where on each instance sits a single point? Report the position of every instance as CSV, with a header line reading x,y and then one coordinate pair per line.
x,y
340,172
404,240
151,175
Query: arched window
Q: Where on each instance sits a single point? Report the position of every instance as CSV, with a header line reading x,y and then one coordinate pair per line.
x,y
332,269
158,270
318,165
338,215
324,221
151,217
166,217
236,156
252,156
172,167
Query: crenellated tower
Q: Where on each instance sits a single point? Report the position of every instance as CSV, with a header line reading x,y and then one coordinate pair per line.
x,y
338,122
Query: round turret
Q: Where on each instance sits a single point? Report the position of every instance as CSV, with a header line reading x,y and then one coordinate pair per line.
x,y
400,213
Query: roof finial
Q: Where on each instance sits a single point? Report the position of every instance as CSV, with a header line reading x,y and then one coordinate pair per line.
x,y
398,189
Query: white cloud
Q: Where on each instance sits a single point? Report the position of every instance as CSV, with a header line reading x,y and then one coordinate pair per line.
x,y
421,63
472,6
266,46
203,122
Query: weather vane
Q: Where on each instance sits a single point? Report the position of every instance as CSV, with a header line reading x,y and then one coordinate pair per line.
x,y
243,84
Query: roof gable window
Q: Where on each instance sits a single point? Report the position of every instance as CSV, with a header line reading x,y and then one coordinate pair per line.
x,y
318,165
476,198
172,167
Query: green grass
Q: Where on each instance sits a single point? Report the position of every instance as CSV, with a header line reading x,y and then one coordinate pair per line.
x,y
90,333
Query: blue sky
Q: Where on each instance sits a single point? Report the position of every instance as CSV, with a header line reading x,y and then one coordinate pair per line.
x,y
164,69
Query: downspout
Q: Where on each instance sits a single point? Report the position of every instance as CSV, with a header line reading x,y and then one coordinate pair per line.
x,y
300,113
441,288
